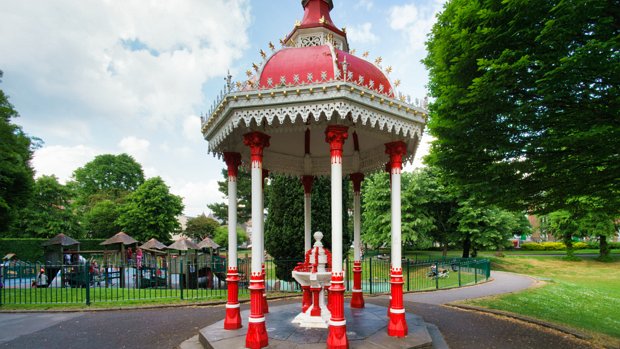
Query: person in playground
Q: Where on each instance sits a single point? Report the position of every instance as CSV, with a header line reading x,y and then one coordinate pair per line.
x,y
41,281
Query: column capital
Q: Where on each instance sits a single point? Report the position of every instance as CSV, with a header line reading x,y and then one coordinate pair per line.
x,y
233,160
357,179
307,181
257,141
335,135
396,150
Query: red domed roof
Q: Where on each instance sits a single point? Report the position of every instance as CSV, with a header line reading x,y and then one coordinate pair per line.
x,y
315,64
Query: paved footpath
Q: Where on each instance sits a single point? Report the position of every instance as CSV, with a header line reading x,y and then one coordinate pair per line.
x,y
168,327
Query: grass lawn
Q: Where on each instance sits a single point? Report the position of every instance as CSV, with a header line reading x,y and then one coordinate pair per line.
x,y
582,294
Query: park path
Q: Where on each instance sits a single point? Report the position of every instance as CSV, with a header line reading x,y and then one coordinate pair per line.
x,y
503,282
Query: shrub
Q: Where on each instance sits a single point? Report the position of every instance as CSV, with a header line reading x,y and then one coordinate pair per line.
x,y
532,246
31,250
580,245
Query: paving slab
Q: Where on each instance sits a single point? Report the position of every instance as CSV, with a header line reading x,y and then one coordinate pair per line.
x,y
366,328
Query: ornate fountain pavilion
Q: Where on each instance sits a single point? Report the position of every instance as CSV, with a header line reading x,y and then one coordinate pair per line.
x,y
313,108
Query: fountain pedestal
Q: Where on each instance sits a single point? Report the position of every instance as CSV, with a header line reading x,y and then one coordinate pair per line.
x,y
313,275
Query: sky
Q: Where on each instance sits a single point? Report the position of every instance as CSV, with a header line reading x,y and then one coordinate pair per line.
x,y
134,76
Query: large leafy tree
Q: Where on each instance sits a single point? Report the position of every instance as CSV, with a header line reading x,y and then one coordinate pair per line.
x,y
100,220
151,211
16,173
376,226
284,227
435,208
48,212
244,197
201,227
526,100
221,236
107,177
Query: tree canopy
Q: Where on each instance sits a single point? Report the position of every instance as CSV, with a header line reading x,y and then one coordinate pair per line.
x,y
284,226
526,109
151,211
436,210
48,212
201,227
100,220
107,177
16,173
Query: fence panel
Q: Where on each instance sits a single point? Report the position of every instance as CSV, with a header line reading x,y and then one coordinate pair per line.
x,y
199,278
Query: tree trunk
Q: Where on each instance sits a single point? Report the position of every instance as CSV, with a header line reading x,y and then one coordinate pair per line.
x,y
568,241
444,249
466,246
474,252
604,247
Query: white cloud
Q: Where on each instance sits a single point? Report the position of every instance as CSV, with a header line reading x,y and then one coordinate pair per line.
x,y
136,147
197,195
366,4
122,60
191,129
61,161
361,34
414,21
421,152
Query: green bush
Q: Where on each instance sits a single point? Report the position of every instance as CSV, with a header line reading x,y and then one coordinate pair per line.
x,y
580,245
532,246
31,250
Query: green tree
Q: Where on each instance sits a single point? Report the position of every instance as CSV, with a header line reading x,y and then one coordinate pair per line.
x,y
564,225
486,227
221,236
16,173
526,100
200,227
151,211
244,197
107,177
48,212
100,220
433,204
284,227
377,214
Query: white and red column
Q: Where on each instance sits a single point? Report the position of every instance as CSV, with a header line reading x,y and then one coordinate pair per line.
x,y
256,336
397,326
233,317
335,135
357,299
307,182
265,305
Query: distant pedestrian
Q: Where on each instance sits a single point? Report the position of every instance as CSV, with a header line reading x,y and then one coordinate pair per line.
x,y
139,258
41,281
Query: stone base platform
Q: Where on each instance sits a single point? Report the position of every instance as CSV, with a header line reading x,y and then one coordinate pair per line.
x,y
366,328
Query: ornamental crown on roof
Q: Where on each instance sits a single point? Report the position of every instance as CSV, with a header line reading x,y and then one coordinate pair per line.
x,y
312,81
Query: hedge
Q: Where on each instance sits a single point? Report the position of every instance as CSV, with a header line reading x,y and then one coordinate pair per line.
x,y
560,246
31,249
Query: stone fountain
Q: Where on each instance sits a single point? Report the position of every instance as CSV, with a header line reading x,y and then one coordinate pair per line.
x,y
314,275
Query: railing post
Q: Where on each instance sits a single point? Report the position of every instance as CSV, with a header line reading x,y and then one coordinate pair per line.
x,y
436,274
181,274
87,272
370,273
408,278
475,272
460,267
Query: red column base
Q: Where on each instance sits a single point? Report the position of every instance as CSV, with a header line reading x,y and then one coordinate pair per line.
x,y
264,304
337,337
306,301
357,299
256,337
233,318
397,327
